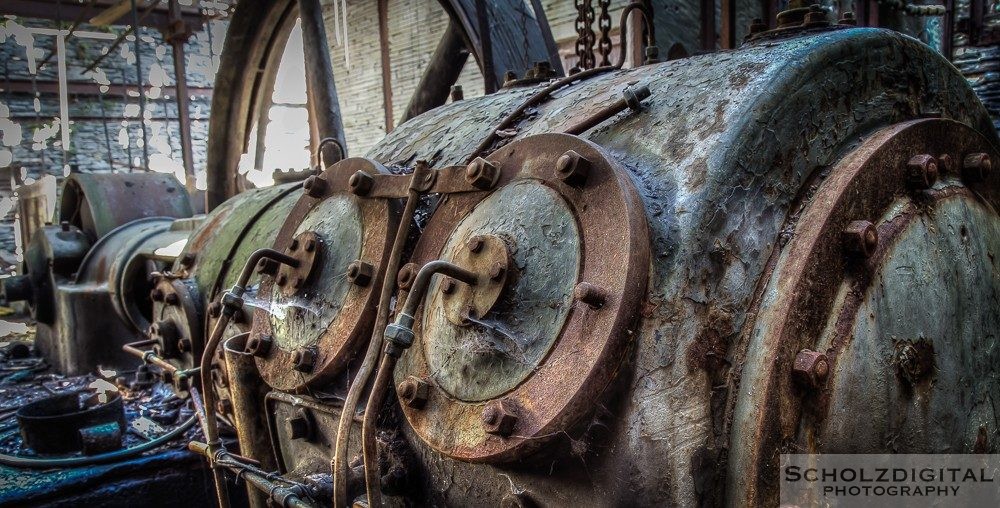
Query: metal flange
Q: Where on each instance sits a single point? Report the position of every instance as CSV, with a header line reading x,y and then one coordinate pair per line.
x,y
547,356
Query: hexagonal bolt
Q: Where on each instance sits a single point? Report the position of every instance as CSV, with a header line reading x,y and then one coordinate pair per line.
x,y
281,280
187,259
476,244
215,309
406,275
309,245
500,417
303,360
592,295
294,246
861,237
922,171
482,174
448,285
361,183
815,16
976,167
810,368
259,346
171,299
414,392
184,345
315,186
156,295
757,26
300,426
360,273
497,271
573,168
848,19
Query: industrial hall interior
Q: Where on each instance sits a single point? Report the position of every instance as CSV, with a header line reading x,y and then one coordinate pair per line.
x,y
517,253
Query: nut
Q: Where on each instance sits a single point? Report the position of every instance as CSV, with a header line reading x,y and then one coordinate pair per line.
x,y
848,19
406,275
448,285
259,346
757,26
184,345
810,368
475,244
315,186
413,392
500,417
360,273
497,271
573,168
593,296
861,237
156,295
945,164
304,359
482,174
976,167
361,183
224,406
171,299
922,171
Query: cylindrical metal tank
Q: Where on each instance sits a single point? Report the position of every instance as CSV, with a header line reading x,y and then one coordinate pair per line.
x,y
782,238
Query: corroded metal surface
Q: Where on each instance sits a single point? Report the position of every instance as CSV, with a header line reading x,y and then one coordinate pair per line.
x,y
584,347
815,275
98,203
330,317
726,150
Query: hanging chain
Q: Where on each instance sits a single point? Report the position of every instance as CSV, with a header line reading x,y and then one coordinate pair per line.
x,y
581,34
591,38
604,24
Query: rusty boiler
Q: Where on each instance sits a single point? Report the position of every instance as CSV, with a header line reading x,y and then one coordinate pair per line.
x,y
637,286
622,287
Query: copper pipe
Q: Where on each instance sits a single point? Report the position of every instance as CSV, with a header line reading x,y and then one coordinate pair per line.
x,y
374,345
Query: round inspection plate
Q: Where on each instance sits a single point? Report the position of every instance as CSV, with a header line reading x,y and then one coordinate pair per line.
x,y
895,326
531,348
314,329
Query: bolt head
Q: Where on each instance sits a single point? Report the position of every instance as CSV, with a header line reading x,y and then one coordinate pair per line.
x,y
810,368
224,406
497,271
448,285
922,171
476,244
976,167
156,295
360,273
573,168
171,299
406,275
259,346
861,238
482,174
414,392
361,183
184,345
314,186
304,359
499,417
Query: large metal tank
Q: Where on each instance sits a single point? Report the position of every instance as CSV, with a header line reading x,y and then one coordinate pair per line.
x,y
783,238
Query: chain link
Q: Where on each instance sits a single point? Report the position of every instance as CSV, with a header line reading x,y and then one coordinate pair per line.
x,y
604,24
584,34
